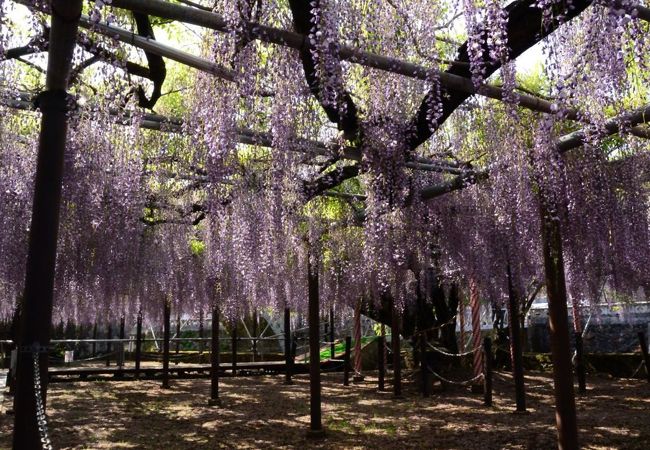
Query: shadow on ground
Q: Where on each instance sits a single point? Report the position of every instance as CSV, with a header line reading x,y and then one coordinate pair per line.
x,y
261,412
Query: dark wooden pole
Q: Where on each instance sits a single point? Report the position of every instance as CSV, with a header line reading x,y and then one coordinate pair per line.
x,y
214,358
94,346
565,408
346,361
166,336
233,339
36,313
487,372
332,344
122,327
120,346
381,365
178,333
316,426
255,332
138,344
644,349
288,360
109,344
201,333
397,356
423,366
516,351
580,364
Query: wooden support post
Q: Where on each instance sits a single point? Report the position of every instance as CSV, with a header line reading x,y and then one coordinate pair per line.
x,y
255,334
166,336
36,312
487,372
516,351
580,364
423,366
332,344
357,343
214,358
644,349
201,334
397,355
178,334
565,407
120,347
233,340
138,344
381,365
346,361
109,344
288,359
122,327
316,426
475,308
94,345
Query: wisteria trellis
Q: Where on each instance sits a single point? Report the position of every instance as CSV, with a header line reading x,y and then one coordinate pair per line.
x,y
134,200
234,203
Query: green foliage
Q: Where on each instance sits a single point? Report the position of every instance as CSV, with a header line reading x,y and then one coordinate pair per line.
x,y
197,247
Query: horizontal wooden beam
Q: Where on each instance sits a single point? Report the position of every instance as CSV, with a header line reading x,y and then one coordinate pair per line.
x,y
298,41
158,122
565,143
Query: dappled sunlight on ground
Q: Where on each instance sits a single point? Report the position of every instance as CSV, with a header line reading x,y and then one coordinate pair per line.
x,y
262,412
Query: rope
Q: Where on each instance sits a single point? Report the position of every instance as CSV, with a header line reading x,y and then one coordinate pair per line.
x,y
437,327
458,383
92,358
458,355
41,418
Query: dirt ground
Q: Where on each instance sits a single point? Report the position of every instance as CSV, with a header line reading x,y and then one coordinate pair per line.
x,y
262,412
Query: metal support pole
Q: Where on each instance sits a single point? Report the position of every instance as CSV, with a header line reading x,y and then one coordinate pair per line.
x,y
288,360
516,354
487,372
565,407
316,426
166,335
36,313
138,344
214,358
580,364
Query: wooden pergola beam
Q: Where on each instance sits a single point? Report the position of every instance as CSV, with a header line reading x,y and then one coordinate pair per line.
x,y
565,143
299,41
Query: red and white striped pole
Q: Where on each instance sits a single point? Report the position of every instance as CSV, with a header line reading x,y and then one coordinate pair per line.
x,y
357,343
475,305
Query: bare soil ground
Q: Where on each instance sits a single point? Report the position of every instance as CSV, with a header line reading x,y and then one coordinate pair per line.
x,y
262,412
